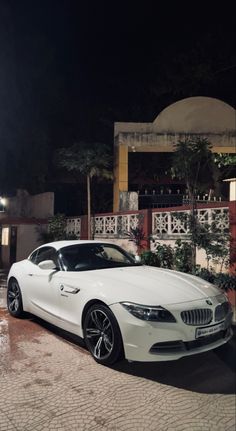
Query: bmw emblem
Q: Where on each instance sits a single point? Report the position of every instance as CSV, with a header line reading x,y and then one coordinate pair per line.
x,y
208,301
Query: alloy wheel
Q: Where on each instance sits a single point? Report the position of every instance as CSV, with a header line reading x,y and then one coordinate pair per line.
x,y
99,334
13,297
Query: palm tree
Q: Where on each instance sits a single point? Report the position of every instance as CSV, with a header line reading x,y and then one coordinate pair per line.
x,y
88,160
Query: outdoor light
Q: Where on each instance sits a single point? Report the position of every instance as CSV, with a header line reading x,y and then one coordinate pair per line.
x,y
2,204
3,201
5,235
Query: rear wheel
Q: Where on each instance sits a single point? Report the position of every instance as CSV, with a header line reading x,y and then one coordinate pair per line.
x,y
102,335
14,299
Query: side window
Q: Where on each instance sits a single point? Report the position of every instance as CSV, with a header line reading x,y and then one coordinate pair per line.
x,y
111,253
46,253
33,256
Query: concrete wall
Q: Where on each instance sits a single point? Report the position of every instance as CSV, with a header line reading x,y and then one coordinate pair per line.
x,y
5,256
18,206
27,240
164,142
21,212
128,201
25,205
42,205
196,115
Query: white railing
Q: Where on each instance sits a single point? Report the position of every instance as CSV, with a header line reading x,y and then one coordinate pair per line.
x,y
73,226
176,223
165,224
114,225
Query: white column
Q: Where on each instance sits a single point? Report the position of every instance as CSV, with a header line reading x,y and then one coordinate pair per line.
x,y
232,188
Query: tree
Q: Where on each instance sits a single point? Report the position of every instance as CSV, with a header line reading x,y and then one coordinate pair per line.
x,y
225,164
218,249
193,162
88,160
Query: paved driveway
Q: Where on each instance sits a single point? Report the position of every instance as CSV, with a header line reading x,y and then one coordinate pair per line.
x,y
49,382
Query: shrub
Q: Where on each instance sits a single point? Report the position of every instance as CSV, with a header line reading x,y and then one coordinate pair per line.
x,y
165,255
149,258
136,235
205,273
225,281
182,256
221,280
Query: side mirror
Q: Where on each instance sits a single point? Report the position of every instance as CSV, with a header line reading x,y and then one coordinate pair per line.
x,y
137,258
47,264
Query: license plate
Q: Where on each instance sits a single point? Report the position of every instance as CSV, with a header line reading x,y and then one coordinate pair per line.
x,y
209,330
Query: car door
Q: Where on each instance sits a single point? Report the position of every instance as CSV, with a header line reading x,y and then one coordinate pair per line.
x,y
70,287
69,300
42,286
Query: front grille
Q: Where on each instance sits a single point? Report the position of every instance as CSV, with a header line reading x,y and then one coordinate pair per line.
x,y
200,316
221,311
204,341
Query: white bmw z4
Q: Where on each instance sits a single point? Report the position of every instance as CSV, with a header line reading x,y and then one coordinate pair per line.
x,y
99,292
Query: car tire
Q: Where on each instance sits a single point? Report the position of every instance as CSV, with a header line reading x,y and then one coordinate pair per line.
x,y
14,298
102,335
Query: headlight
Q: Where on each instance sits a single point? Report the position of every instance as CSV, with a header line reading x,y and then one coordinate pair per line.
x,y
152,314
222,298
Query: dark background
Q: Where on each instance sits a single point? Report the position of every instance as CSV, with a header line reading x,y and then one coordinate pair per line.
x,y
69,69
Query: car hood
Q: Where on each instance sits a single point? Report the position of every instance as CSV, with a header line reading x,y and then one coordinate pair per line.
x,y
146,285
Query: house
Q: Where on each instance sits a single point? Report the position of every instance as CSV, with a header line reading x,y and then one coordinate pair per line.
x,y
21,219
195,116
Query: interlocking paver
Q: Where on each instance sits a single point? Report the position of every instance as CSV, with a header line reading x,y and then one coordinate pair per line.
x,y
5,423
47,384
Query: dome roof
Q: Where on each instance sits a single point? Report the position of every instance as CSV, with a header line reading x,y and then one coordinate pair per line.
x,y
196,115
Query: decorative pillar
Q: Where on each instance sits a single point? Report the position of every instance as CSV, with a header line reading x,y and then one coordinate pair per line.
x,y
232,223
84,227
147,228
120,174
231,293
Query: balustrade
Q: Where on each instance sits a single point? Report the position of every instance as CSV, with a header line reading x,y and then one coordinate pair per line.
x,y
173,223
164,223
114,225
73,226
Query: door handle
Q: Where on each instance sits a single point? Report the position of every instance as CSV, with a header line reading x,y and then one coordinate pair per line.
x,y
31,275
73,292
69,289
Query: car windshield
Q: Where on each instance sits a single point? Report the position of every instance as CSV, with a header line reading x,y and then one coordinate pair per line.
x,y
86,257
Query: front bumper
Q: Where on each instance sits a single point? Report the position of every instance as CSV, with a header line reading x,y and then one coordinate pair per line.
x,y
154,341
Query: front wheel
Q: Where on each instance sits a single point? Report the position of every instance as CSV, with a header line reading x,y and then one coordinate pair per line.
x,y
102,335
14,299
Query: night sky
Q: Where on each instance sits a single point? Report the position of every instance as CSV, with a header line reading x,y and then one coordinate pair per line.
x,y
69,69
